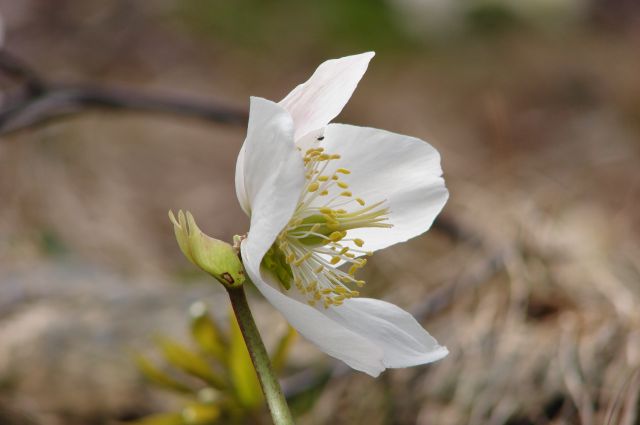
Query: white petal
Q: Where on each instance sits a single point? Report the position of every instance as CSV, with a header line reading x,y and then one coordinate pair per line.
x,y
273,177
269,168
402,170
404,342
241,192
320,99
331,337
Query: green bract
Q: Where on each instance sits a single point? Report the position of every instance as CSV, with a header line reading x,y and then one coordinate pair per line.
x,y
215,257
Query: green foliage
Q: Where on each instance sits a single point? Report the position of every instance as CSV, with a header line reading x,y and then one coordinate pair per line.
x,y
242,373
215,377
279,357
259,24
190,362
492,18
206,333
51,243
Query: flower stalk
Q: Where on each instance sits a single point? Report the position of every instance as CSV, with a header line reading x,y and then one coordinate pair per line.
x,y
268,381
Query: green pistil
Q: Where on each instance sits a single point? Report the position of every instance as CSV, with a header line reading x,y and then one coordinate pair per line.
x,y
276,262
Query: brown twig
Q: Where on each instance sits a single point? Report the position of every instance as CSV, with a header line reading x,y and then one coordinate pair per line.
x,y
37,102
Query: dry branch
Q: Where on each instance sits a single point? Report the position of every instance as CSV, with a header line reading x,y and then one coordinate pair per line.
x,y
37,102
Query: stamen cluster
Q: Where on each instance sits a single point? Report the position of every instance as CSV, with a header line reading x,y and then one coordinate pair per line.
x,y
314,243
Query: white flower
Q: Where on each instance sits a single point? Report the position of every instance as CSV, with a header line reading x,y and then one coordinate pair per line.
x,y
322,195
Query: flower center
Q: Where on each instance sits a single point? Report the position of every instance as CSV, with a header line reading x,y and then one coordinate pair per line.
x,y
315,241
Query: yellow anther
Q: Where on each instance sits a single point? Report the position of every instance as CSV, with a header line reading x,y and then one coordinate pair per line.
x,y
335,260
343,185
324,193
313,186
332,224
360,201
346,193
335,156
350,255
317,296
325,210
343,171
334,177
358,242
344,250
291,258
323,178
312,303
337,235
319,269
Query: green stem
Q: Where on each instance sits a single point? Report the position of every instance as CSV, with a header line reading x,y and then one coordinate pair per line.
x,y
268,381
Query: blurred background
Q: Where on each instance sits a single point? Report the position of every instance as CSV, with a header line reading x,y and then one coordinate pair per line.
x,y
531,277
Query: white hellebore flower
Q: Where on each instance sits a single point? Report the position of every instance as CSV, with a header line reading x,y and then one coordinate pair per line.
x,y
323,195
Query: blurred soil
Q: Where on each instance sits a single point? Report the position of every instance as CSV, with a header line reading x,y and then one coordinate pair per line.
x,y
540,138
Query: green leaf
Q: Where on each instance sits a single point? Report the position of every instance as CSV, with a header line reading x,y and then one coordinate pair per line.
x,y
279,358
243,375
161,419
157,376
206,333
200,414
190,362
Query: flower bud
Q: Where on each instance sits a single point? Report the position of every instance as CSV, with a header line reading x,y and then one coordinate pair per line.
x,y
215,257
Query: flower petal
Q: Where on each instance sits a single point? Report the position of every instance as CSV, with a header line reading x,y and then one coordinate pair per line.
x,y
402,170
241,191
331,337
272,176
269,167
320,99
404,342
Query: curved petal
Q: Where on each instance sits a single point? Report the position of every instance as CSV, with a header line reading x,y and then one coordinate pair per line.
x,y
241,192
331,337
320,99
269,167
404,342
273,176
402,170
